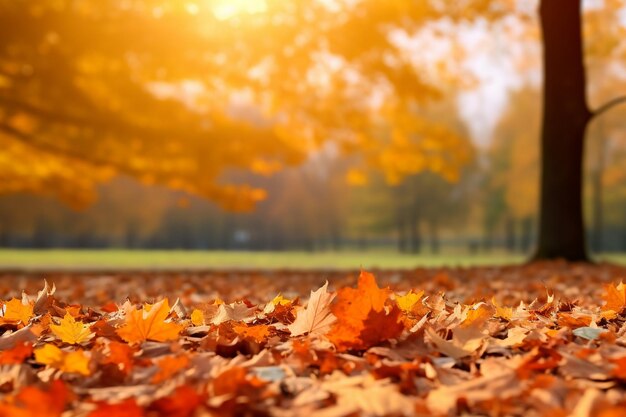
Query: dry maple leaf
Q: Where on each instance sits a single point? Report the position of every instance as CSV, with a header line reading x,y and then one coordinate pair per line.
x,y
505,313
317,317
149,323
10,340
17,311
43,298
502,384
363,319
447,347
615,300
71,331
364,395
73,362
233,312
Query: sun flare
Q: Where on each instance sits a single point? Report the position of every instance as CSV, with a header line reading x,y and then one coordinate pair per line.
x,y
227,9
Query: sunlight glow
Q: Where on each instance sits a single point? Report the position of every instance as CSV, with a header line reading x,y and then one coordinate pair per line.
x,y
227,9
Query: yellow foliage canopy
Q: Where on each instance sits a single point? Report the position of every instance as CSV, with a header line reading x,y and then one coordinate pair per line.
x,y
180,93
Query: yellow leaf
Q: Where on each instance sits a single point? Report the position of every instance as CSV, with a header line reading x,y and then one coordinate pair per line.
x,y
477,315
408,301
73,362
280,300
502,312
149,324
15,311
197,318
71,331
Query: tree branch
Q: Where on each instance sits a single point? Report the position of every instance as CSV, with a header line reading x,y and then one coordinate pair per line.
x,y
608,106
62,152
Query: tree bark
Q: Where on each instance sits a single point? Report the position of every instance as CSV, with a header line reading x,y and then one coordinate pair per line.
x,y
565,119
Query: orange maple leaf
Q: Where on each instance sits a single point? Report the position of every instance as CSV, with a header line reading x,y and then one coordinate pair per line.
x,y
16,355
615,300
183,402
32,401
120,355
127,408
363,316
170,366
149,323
16,311
258,333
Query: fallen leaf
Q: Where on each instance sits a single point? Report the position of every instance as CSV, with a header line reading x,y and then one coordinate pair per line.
x,y
34,402
233,312
169,366
16,311
408,302
589,333
43,298
615,300
149,323
317,317
72,362
505,313
257,333
25,334
16,355
120,355
71,331
127,408
197,318
183,402
362,317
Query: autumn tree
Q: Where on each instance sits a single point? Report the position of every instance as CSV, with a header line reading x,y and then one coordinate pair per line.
x,y
565,120
179,93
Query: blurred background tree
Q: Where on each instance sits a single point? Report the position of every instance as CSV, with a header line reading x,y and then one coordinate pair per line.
x,y
342,123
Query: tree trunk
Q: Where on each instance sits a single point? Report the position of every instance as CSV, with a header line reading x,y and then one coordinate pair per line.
x,y
526,234
510,231
565,119
415,236
401,230
434,237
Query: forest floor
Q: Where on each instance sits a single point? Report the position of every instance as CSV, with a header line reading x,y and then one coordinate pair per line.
x,y
534,340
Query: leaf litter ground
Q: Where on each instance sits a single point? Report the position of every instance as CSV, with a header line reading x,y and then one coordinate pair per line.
x,y
536,340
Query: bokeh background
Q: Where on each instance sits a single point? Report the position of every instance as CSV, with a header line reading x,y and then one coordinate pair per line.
x,y
378,131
